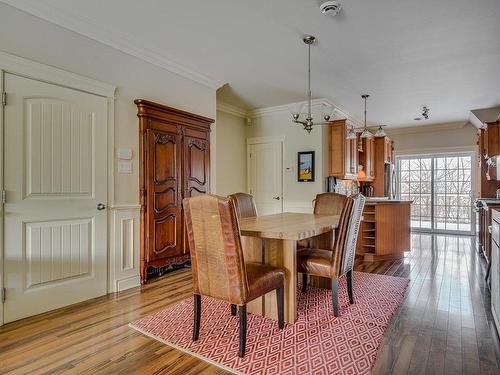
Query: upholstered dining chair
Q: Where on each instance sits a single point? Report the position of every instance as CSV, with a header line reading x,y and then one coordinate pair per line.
x,y
218,266
338,261
325,204
244,204
329,203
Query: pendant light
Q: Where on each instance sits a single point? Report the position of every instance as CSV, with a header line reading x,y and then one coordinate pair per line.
x,y
308,122
351,133
366,133
380,132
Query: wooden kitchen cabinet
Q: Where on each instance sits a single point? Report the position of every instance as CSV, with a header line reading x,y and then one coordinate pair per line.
x,y
388,150
384,154
367,158
489,145
343,152
385,230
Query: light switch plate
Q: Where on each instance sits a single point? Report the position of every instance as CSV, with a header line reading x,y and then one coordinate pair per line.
x,y
124,167
124,153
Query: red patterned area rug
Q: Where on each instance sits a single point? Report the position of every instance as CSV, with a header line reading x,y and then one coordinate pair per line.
x,y
318,343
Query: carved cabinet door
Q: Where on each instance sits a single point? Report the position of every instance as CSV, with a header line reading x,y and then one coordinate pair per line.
x,y
196,171
164,226
196,166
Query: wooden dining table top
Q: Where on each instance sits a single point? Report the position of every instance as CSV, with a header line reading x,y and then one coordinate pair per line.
x,y
288,225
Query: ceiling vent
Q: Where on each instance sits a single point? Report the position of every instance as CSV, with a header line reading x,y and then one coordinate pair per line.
x,y
331,8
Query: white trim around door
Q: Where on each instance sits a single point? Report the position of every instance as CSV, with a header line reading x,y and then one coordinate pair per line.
x,y
16,65
263,140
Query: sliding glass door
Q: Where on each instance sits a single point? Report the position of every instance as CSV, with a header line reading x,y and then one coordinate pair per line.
x,y
441,187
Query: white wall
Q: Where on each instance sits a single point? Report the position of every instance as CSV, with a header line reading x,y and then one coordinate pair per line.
x,y
27,36
231,154
297,196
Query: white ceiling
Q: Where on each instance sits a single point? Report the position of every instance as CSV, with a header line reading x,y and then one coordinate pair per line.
x,y
405,53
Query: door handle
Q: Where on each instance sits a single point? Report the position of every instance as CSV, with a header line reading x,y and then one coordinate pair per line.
x,y
101,206
277,198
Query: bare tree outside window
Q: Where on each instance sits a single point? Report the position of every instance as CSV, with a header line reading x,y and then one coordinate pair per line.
x,y
441,189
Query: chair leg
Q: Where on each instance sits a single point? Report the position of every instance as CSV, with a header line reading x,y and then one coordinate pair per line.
x,y
335,297
243,330
304,282
280,296
197,316
349,287
233,310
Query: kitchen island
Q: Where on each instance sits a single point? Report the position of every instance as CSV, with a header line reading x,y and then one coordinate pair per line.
x,y
385,229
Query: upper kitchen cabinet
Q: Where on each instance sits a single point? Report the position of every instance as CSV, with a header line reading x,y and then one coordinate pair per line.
x,y
366,154
489,146
343,152
388,150
384,154
489,140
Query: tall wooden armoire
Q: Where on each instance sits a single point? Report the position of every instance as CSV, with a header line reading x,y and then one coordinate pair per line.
x,y
174,152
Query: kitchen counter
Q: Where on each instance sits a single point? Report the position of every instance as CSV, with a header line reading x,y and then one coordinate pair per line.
x,y
373,200
385,229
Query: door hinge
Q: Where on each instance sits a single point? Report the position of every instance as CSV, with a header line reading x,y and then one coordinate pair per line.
x,y
4,294
4,197
4,98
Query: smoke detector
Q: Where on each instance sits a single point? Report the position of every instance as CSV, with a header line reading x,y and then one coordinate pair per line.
x,y
330,8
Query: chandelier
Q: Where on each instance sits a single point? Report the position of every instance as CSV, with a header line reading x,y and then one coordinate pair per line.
x,y
308,122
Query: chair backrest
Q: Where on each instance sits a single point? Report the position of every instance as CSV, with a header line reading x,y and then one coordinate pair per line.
x,y
344,250
244,204
329,204
218,265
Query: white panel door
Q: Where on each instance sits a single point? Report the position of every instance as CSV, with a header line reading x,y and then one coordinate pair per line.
x,y
266,176
55,177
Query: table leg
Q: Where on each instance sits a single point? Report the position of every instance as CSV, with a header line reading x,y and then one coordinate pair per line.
x,y
283,254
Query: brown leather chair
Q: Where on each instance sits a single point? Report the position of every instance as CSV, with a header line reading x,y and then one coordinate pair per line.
x,y
340,261
218,267
244,205
325,204
329,203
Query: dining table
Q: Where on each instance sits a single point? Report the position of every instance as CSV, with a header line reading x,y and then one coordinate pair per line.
x,y
273,240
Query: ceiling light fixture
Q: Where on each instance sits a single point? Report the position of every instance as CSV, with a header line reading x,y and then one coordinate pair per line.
x,y
380,132
366,133
308,122
425,114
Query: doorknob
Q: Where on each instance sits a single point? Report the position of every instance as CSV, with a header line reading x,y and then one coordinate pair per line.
x,y
101,206
277,198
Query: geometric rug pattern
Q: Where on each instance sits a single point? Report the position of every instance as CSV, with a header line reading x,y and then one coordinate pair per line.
x,y
318,343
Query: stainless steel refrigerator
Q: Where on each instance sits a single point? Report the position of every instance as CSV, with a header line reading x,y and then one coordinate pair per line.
x,y
390,181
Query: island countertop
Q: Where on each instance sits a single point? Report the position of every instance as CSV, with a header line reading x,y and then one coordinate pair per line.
x,y
375,200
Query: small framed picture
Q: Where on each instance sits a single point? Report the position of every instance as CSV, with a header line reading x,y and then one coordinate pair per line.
x,y
305,166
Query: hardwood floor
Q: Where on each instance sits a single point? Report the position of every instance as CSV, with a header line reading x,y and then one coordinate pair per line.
x,y
444,325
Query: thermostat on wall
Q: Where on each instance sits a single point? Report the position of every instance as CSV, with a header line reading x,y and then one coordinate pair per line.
x,y
125,153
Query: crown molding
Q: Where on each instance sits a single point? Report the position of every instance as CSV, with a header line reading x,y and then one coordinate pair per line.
x,y
232,110
426,128
96,32
338,113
